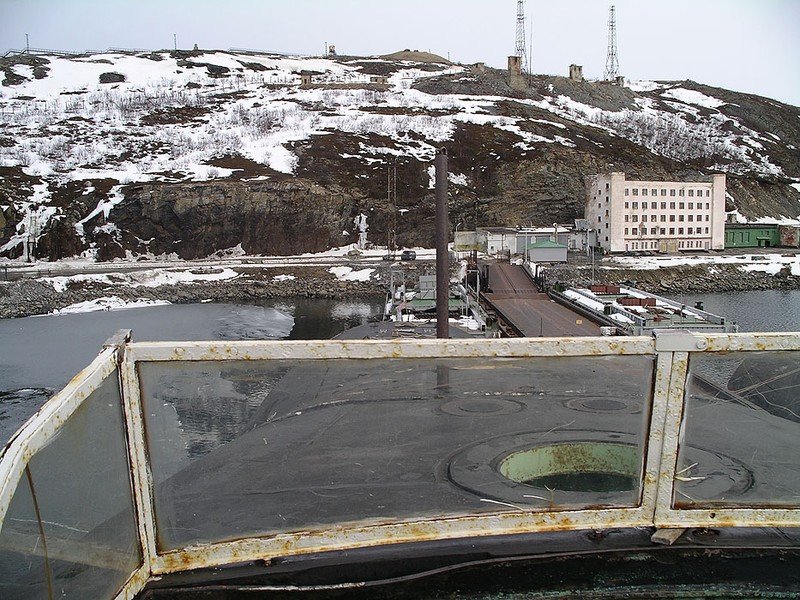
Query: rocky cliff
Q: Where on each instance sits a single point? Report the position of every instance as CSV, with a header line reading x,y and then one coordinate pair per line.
x,y
195,153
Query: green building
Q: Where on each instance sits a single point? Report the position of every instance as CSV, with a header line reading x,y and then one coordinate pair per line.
x,y
751,235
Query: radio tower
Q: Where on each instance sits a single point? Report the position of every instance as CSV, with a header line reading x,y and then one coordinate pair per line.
x,y
519,47
612,63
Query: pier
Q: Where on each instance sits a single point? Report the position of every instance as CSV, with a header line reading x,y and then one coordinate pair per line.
x,y
529,312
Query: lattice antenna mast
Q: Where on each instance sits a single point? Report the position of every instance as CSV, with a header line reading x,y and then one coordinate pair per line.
x,y
519,46
612,62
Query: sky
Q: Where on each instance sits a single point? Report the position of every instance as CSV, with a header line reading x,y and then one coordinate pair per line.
x,y
744,45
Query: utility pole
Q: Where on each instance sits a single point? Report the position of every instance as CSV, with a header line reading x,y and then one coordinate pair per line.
x,y
519,45
391,196
442,257
27,44
612,62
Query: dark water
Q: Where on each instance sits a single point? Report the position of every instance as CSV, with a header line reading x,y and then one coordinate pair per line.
x,y
39,355
771,310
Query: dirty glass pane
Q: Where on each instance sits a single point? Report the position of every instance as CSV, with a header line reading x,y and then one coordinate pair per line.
x,y
22,565
741,440
81,483
247,448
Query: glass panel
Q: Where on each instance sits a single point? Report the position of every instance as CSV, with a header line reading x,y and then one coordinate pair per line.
x,y
81,483
246,448
22,566
741,431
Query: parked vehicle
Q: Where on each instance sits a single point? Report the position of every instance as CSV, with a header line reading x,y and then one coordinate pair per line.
x,y
408,255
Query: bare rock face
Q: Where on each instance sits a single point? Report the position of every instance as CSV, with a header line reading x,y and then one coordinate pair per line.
x,y
280,217
112,77
519,149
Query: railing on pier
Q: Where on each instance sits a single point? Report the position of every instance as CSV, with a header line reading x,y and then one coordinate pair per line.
x,y
164,457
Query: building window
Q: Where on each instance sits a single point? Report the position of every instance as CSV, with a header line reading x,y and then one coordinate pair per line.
x,y
691,218
708,193
680,244
598,219
598,205
680,230
626,191
606,198
663,231
680,218
606,225
689,231
626,218
691,193
606,238
680,192
654,205
626,231
672,192
635,191
607,213
691,204
672,218
635,206
663,205
662,218
635,218
699,218
644,191
707,218
672,231
680,205
627,205
644,218
654,192
606,186
706,229
653,230
707,206
664,192
699,193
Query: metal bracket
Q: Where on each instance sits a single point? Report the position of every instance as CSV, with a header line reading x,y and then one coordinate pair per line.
x,y
667,537
117,342
119,339
679,340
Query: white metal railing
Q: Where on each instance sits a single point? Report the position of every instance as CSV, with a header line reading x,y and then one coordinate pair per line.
x,y
661,471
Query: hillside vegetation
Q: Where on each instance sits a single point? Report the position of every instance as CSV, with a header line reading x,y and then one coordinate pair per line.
x,y
196,152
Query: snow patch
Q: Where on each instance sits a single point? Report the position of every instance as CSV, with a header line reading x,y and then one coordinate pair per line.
x,y
693,97
107,303
349,274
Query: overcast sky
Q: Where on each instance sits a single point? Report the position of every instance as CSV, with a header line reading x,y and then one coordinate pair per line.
x,y
744,45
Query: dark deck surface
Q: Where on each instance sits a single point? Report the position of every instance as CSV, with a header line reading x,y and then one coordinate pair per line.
x,y
531,312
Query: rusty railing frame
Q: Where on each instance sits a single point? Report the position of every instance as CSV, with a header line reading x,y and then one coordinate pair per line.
x,y
711,516
36,433
672,351
342,537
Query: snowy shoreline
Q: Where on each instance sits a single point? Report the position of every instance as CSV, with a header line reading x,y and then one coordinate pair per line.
x,y
115,291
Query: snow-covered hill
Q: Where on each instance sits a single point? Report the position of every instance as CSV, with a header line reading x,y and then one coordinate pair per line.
x,y
88,143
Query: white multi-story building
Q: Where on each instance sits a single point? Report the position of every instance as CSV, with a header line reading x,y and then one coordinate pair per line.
x,y
666,216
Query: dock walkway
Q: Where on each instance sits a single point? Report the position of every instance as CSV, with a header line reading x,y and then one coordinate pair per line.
x,y
531,312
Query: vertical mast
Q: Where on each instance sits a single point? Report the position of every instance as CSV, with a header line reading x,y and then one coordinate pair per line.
x,y
519,45
612,62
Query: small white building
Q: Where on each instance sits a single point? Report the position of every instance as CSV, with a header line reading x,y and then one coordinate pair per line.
x,y
514,240
664,216
546,251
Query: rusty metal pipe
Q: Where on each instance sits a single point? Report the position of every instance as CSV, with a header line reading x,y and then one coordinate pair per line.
x,y
442,237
